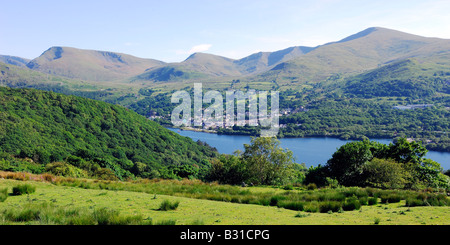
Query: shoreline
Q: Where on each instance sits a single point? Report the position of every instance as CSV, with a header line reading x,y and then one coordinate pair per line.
x,y
288,137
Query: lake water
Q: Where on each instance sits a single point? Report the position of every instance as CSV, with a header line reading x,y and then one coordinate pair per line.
x,y
311,151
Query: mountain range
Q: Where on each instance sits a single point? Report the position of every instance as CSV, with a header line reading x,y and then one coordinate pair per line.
x,y
369,49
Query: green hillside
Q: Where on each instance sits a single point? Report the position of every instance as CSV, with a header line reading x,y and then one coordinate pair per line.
x,y
407,78
355,54
89,135
14,60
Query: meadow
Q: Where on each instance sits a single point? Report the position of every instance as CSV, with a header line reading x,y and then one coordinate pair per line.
x,y
70,201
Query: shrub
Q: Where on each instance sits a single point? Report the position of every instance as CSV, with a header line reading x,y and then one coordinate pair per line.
x,y
311,186
275,200
327,206
372,201
3,194
167,205
23,189
312,207
376,221
413,202
166,222
292,205
351,203
390,198
363,200
65,169
25,215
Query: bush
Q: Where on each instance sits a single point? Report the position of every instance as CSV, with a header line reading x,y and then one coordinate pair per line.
x,y
327,206
65,169
311,186
23,189
291,205
414,202
351,203
390,198
25,215
3,194
373,201
167,205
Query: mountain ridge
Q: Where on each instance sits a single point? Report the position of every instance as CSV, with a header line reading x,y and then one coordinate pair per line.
x,y
356,53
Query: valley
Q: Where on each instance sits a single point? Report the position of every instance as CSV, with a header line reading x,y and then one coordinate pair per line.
x,y
84,133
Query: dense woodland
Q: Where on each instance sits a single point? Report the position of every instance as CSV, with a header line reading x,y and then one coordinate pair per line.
x,y
41,130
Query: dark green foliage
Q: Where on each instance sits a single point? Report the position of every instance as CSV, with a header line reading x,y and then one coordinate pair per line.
x,y
372,201
167,205
390,197
385,174
49,127
263,162
330,206
369,164
23,189
351,203
347,162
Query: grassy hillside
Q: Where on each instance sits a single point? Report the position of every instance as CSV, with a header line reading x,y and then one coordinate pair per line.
x,y
127,203
47,127
407,78
90,65
14,60
355,54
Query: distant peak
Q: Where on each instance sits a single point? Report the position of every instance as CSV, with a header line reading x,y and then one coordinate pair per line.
x,y
195,55
360,34
54,52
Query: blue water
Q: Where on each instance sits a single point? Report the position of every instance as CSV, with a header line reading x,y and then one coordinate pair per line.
x,y
311,151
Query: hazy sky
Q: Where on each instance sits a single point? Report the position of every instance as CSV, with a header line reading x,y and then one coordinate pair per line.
x,y
170,30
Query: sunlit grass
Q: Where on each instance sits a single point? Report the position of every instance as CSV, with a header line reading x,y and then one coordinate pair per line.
x,y
143,199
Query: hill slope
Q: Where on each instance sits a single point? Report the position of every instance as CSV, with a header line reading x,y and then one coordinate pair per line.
x,y
90,65
14,60
355,54
203,66
49,127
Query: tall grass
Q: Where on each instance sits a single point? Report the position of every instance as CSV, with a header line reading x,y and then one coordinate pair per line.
x,y
167,205
23,189
48,214
313,200
3,194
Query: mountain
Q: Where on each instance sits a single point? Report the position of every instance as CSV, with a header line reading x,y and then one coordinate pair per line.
x,y
204,66
90,65
197,65
263,61
48,127
13,60
292,67
357,53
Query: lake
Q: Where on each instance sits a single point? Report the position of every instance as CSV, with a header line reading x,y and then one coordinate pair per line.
x,y
311,151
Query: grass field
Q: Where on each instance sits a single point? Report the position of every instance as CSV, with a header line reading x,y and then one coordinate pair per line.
x,y
194,211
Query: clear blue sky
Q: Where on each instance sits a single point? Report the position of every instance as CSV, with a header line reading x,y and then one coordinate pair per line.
x,y
170,30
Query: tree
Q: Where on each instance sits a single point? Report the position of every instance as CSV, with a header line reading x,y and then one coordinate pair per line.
x,y
405,151
227,169
346,164
386,174
267,163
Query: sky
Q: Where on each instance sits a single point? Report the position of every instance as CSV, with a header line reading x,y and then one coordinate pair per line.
x,y
171,30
